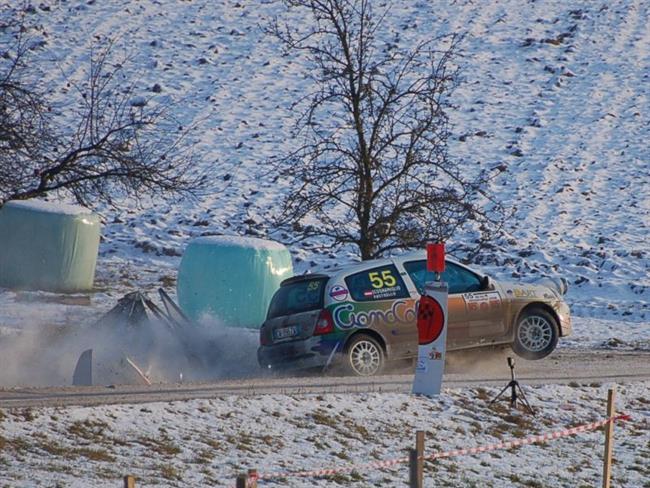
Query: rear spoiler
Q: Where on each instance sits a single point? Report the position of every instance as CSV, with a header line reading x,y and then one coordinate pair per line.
x,y
308,277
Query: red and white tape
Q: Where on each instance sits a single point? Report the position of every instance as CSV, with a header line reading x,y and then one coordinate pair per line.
x,y
438,455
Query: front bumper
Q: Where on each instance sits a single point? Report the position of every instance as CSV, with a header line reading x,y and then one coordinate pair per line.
x,y
564,314
313,352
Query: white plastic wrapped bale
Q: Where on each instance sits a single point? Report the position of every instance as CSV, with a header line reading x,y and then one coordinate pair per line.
x,y
48,246
231,278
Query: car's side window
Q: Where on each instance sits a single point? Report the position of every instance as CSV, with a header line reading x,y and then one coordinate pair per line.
x,y
459,280
382,283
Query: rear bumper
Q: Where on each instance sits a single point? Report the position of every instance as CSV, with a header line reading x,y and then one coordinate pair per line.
x,y
308,353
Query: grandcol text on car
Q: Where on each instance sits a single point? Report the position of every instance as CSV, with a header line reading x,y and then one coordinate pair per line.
x,y
365,315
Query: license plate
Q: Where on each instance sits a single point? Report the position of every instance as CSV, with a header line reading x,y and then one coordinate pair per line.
x,y
285,332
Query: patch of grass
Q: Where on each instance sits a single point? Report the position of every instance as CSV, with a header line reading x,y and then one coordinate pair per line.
x,y
359,429
107,473
341,455
476,427
95,454
323,418
163,446
482,394
213,443
452,468
533,484
90,430
356,476
59,468
204,456
339,478
3,415
169,472
55,449
574,384
574,469
242,441
66,452
520,421
27,414
18,444
514,478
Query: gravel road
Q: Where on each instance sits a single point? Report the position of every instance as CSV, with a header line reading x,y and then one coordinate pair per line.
x,y
484,368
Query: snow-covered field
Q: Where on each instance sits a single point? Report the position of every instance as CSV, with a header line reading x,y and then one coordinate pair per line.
x,y
558,91
208,442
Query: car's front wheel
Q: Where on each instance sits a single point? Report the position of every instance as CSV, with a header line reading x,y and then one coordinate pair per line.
x,y
536,334
364,356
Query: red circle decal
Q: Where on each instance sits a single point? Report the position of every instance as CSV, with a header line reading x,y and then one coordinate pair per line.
x,y
431,320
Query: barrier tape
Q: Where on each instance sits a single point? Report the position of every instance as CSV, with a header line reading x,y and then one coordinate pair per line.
x,y
439,455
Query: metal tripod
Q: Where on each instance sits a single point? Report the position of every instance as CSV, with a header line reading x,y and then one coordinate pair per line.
x,y
514,388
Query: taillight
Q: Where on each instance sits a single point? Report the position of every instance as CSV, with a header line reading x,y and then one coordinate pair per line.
x,y
324,324
264,337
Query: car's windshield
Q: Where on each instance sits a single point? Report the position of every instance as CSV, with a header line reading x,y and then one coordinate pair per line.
x,y
298,296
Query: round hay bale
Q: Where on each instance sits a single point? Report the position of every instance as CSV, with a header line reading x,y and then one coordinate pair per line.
x,y
231,278
48,246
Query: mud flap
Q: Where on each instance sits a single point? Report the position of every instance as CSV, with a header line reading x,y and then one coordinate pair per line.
x,y
331,357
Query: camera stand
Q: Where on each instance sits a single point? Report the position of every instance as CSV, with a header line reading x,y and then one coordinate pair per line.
x,y
514,388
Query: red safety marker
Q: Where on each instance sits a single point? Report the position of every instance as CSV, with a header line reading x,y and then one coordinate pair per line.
x,y
436,257
431,320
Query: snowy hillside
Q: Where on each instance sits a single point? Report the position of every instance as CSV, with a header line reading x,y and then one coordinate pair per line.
x,y
558,91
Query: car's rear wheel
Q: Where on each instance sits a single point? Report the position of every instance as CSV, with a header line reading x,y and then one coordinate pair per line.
x,y
536,334
364,356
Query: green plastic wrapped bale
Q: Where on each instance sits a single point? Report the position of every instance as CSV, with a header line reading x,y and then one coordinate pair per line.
x,y
231,278
48,246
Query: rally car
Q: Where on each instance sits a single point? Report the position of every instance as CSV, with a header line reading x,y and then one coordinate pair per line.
x,y
365,315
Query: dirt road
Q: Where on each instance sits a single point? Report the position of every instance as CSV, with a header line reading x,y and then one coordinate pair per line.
x,y
462,370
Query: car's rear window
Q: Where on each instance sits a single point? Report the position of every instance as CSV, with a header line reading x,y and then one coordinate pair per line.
x,y
297,297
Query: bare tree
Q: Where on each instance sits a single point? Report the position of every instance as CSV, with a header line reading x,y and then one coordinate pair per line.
x,y
102,143
373,168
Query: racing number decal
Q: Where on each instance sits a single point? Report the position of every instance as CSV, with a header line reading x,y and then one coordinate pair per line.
x,y
313,286
385,280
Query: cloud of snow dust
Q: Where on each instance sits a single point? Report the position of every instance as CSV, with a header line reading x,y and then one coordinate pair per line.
x,y
38,355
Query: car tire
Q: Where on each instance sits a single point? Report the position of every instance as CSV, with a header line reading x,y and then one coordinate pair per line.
x,y
536,334
364,356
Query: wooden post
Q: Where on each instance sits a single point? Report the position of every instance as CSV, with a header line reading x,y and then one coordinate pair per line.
x,y
242,481
252,478
248,480
416,478
129,481
609,438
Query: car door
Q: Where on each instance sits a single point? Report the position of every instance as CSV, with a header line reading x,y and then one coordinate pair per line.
x,y
381,301
484,319
457,317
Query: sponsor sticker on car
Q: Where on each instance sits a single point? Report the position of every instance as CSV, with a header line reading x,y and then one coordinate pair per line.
x,y
339,293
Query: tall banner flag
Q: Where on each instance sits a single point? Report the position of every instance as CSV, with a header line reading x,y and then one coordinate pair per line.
x,y
432,327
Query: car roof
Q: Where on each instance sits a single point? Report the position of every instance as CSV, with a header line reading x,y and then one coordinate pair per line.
x,y
363,265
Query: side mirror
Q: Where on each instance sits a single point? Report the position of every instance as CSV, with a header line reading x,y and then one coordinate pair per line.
x,y
486,283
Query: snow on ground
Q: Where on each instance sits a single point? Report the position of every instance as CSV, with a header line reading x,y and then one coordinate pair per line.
x,y
207,442
557,91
